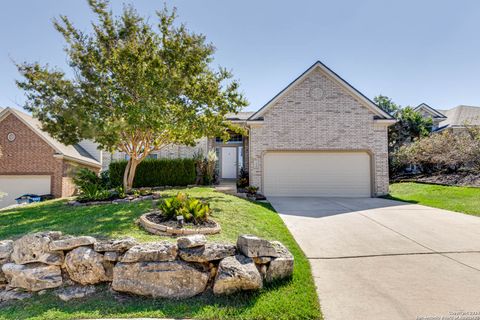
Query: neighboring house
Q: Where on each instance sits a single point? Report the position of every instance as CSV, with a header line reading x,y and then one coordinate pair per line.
x,y
318,137
453,119
31,161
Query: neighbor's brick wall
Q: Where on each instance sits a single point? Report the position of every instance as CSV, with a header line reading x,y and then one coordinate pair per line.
x,y
28,154
334,120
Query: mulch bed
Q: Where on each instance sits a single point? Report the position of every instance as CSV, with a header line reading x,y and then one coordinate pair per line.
x,y
161,219
463,179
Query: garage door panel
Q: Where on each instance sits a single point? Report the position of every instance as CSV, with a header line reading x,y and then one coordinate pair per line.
x,y
13,186
332,174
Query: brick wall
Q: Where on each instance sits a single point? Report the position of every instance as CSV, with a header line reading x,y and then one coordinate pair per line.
x,y
318,114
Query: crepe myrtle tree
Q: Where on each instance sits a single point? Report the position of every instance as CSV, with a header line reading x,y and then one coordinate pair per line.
x,y
133,87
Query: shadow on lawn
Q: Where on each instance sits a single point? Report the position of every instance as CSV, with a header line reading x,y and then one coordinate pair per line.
x,y
390,197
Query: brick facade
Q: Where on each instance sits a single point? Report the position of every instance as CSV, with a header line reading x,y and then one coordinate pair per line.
x,y
29,154
319,114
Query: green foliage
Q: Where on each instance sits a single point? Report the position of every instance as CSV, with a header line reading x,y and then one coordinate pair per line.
x,y
243,178
156,172
135,86
205,167
192,210
251,190
386,104
90,186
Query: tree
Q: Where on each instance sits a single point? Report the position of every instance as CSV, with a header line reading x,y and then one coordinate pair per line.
x,y
135,88
410,124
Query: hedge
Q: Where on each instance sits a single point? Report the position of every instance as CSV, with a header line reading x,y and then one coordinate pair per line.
x,y
156,172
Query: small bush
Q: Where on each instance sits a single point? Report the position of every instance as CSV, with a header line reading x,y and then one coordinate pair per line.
x,y
156,172
193,210
90,186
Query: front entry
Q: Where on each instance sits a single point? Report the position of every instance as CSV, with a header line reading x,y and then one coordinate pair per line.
x,y
229,163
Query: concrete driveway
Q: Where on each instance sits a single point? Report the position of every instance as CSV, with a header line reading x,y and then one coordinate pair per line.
x,y
381,259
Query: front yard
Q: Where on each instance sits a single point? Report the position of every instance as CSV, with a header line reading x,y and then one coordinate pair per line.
x,y
459,199
292,299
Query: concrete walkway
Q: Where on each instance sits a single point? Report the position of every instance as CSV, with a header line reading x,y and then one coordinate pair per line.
x,y
383,259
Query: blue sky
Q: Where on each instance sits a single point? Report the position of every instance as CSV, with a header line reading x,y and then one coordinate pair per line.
x,y
413,51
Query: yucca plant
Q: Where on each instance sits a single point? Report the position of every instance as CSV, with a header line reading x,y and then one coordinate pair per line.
x,y
192,210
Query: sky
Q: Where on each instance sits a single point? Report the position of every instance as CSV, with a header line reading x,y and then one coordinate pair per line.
x,y
412,51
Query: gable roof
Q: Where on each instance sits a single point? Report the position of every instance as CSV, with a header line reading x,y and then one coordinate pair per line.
x,y
70,152
434,112
381,114
462,115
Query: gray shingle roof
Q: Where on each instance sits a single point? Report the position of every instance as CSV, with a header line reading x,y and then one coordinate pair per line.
x,y
461,116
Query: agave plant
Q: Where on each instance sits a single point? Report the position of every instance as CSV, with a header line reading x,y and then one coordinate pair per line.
x,y
192,210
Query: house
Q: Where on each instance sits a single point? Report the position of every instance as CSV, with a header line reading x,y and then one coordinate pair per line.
x,y
456,119
319,136
31,161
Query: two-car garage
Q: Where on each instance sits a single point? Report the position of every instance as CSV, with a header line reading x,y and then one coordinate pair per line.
x,y
318,174
13,186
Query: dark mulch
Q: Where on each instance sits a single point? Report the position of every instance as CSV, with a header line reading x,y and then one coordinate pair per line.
x,y
467,179
159,218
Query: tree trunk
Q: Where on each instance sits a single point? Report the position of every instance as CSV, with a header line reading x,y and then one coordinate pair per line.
x,y
131,173
125,176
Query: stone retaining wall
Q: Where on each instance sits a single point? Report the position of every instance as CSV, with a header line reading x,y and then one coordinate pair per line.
x,y
73,265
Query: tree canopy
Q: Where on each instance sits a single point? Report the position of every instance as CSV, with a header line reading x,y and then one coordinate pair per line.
x,y
135,87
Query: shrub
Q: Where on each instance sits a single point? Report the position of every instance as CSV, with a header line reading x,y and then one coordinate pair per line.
x,y
192,210
243,181
445,151
205,167
90,186
156,172
252,190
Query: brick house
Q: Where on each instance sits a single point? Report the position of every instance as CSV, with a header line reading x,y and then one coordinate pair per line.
x,y
31,161
318,137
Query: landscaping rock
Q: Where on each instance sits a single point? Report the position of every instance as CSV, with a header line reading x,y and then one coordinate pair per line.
x,y
111,256
252,246
6,249
33,277
8,295
152,251
117,201
209,252
159,279
86,266
75,292
282,266
120,245
235,274
35,247
195,240
72,243
262,260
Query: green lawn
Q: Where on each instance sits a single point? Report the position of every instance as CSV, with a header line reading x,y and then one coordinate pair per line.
x,y
291,299
459,199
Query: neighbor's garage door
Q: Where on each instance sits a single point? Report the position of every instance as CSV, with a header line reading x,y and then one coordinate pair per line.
x,y
320,174
12,187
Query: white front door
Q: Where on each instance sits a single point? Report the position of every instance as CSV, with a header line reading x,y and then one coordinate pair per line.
x,y
229,163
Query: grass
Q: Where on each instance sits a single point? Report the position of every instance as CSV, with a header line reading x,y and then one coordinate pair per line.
x,y
459,199
290,299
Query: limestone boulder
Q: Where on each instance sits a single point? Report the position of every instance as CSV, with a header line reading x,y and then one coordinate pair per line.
x,y
35,247
13,294
119,245
111,256
195,240
75,292
71,243
6,249
151,251
282,266
209,252
159,279
33,277
235,274
252,246
86,266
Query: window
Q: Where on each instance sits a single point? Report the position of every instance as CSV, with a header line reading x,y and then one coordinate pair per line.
x,y
152,156
234,138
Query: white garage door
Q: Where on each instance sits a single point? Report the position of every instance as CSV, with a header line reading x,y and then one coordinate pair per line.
x,y
320,174
12,187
